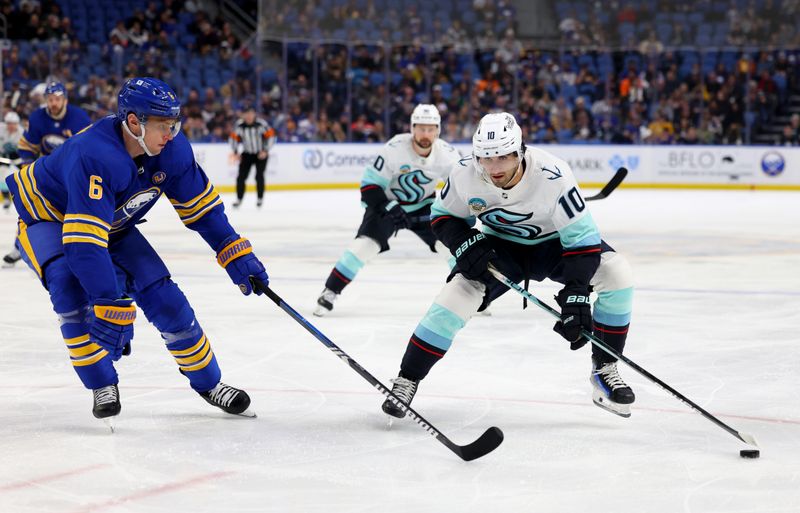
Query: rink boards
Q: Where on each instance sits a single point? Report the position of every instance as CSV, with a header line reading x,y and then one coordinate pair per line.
x,y
340,165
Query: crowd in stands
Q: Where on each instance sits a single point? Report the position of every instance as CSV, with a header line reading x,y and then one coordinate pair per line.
x,y
622,74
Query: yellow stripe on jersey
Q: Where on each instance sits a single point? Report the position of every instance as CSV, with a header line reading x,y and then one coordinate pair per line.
x,y
76,228
86,218
90,359
188,211
72,239
26,201
47,205
184,352
26,145
189,203
38,204
27,248
204,211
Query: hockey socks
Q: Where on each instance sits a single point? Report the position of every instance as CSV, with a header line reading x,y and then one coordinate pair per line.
x,y
192,352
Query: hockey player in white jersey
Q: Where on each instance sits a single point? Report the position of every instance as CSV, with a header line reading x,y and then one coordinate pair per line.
x,y
535,225
397,190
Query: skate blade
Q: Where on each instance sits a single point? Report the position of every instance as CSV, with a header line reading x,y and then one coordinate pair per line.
x,y
109,422
250,414
623,410
320,312
389,422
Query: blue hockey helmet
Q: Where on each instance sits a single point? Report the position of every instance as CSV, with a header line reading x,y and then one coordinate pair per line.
x,y
146,96
55,88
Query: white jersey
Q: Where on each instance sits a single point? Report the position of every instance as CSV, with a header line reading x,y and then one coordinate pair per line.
x,y
9,143
406,177
10,139
545,204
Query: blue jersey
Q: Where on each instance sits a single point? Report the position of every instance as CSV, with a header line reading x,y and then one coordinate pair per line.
x,y
45,134
96,190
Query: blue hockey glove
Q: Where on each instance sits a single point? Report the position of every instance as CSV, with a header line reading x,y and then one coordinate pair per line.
x,y
112,325
398,216
576,315
237,258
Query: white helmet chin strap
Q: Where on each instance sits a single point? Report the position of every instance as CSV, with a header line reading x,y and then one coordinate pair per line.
x,y
139,138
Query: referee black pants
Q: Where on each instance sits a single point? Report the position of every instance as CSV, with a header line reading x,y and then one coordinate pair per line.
x,y
246,162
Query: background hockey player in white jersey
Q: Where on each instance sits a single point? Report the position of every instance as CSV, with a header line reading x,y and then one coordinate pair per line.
x,y
535,225
10,134
397,190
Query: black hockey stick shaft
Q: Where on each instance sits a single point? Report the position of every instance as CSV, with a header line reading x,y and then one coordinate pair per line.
x,y
612,184
485,444
744,437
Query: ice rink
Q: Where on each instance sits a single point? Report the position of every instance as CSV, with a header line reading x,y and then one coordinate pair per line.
x,y
716,316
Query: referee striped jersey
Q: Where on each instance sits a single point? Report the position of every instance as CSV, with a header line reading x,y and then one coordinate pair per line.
x,y
252,138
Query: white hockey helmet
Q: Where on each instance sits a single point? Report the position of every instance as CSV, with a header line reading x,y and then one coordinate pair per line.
x,y
11,117
497,134
426,114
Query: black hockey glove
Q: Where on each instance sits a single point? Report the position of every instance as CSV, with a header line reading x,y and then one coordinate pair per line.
x,y
473,256
398,216
576,315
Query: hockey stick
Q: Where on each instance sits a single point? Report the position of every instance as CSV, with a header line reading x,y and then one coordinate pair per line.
x,y
487,442
744,437
612,184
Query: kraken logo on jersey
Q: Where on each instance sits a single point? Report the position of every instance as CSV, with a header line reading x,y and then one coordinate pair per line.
x,y
52,141
504,222
134,204
411,190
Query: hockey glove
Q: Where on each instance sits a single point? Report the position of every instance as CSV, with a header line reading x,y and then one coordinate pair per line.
x,y
237,258
474,255
576,315
112,325
397,215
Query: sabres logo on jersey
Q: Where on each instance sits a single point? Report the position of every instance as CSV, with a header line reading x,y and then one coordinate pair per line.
x,y
134,204
52,141
477,205
159,177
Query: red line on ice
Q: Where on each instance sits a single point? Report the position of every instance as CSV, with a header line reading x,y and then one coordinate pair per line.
x,y
27,483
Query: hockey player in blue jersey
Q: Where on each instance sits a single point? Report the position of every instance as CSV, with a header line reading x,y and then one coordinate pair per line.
x,y
78,209
48,128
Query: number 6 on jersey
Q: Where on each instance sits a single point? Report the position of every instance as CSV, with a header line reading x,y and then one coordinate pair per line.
x,y
95,187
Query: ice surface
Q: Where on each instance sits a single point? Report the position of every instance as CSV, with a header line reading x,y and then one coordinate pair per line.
x,y
716,315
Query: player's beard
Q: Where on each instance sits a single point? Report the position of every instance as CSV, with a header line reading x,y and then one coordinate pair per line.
x,y
424,143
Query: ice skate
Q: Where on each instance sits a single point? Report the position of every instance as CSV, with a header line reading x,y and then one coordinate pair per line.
x,y
404,389
106,404
325,302
11,258
237,203
609,391
229,399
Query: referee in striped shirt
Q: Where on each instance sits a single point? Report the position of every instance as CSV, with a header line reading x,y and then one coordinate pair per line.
x,y
251,140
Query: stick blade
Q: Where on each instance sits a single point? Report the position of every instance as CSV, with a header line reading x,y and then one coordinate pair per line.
x,y
488,441
747,438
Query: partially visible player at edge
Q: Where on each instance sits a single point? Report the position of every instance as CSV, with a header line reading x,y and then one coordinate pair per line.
x,y
48,128
78,210
397,190
535,225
